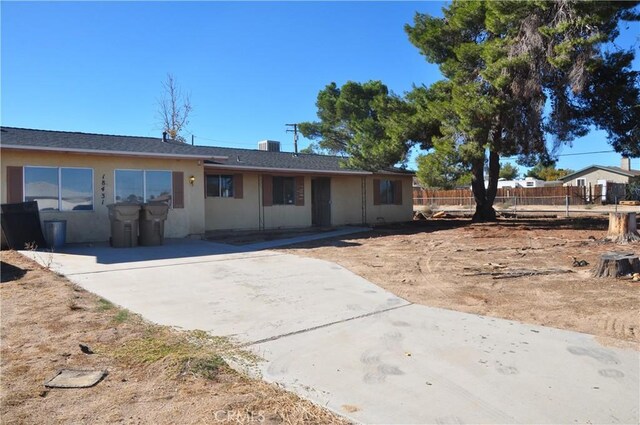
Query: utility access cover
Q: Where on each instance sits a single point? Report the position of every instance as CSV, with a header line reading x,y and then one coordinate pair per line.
x,y
67,378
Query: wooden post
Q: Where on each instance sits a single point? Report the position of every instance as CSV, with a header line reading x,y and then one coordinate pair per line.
x,y
623,228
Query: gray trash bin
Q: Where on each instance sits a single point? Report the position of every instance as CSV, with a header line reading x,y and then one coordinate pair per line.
x,y
124,224
152,217
55,233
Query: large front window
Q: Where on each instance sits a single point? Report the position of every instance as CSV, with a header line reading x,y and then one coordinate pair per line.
x,y
140,186
59,189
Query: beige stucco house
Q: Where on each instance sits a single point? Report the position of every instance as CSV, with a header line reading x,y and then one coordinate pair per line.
x,y
596,174
74,176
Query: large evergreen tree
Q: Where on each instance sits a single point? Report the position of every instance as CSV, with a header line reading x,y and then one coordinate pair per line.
x,y
506,63
372,127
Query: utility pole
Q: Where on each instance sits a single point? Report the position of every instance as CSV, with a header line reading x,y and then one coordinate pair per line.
x,y
295,136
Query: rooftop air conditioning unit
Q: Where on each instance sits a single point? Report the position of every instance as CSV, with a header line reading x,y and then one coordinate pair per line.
x,y
269,146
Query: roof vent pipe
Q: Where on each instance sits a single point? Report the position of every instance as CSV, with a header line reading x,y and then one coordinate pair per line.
x,y
164,136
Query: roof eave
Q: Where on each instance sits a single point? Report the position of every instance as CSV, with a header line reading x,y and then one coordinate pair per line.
x,y
286,170
611,170
397,173
110,152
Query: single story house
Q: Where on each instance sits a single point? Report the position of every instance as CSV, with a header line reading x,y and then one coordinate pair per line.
x,y
599,174
74,176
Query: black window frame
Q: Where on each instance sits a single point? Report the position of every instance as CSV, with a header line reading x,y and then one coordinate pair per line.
x,y
220,194
387,192
284,190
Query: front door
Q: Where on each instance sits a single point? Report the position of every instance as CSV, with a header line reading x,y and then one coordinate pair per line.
x,y
321,201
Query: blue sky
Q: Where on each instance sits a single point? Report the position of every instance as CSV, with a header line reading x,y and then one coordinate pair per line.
x,y
251,67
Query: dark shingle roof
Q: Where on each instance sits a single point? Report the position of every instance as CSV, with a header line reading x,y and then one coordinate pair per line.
x,y
21,138
617,170
250,158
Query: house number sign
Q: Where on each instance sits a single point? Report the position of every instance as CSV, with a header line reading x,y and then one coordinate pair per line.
x,y
103,186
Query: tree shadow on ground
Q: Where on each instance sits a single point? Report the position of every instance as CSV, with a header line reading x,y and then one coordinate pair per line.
x,y
430,226
570,223
406,228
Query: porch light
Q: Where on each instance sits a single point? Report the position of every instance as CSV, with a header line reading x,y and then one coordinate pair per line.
x,y
192,180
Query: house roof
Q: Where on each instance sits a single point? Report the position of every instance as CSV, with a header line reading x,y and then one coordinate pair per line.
x,y
214,157
617,170
252,159
65,141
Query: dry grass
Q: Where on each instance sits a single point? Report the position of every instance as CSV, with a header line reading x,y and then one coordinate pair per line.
x,y
156,375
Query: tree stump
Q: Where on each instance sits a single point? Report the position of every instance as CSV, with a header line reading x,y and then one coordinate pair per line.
x,y
616,264
623,228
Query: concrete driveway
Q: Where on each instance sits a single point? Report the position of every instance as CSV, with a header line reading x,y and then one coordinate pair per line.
x,y
357,349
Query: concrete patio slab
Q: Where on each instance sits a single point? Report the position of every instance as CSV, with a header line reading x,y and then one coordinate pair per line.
x,y
251,296
417,364
347,344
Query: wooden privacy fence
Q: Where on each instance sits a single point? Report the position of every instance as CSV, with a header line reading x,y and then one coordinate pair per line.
x,y
553,195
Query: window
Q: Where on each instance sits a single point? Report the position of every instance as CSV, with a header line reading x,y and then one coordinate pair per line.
x,y
387,192
581,182
76,189
530,184
158,186
143,186
284,190
220,186
129,186
59,189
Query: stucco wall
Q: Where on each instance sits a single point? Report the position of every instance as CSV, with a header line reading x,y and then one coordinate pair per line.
x,y
592,176
231,213
346,205
94,226
249,214
380,214
346,200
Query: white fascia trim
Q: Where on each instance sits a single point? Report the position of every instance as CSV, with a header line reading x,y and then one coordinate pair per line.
x,y
284,170
119,153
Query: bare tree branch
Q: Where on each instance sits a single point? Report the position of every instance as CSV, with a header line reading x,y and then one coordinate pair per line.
x,y
174,108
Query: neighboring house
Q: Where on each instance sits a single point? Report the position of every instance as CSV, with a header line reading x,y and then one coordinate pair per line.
x,y
599,174
74,176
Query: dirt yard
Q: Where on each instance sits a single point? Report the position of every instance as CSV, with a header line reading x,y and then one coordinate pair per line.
x,y
155,375
517,269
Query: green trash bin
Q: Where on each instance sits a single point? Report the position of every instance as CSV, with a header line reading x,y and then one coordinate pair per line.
x,y
152,217
124,224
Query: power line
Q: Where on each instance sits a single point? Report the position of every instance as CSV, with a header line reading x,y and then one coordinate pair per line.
x,y
584,153
220,141
296,137
576,153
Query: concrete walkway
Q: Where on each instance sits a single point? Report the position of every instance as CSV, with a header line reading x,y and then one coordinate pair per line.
x,y
359,350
